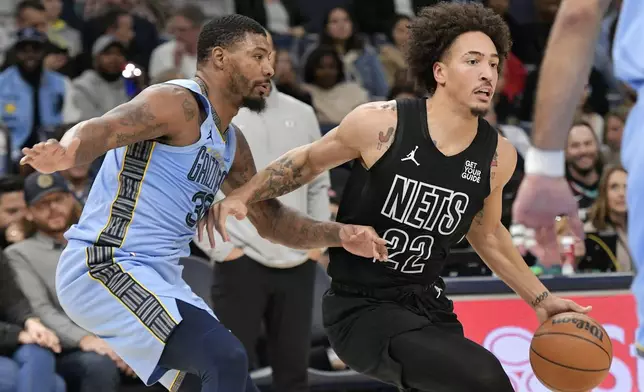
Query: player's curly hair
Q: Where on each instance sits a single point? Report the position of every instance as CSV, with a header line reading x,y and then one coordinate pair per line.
x,y
435,29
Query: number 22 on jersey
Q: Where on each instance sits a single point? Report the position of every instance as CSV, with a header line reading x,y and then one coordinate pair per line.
x,y
417,251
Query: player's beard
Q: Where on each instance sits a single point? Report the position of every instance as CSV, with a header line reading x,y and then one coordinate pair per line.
x,y
479,111
239,84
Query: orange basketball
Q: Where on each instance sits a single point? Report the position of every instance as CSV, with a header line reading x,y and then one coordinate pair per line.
x,y
571,352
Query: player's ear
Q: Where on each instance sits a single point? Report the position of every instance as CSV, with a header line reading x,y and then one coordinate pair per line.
x,y
218,57
439,72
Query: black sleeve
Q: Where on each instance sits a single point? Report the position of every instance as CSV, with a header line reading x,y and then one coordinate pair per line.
x,y
14,306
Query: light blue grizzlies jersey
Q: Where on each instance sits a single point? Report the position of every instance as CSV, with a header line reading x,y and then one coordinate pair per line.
x,y
148,197
628,62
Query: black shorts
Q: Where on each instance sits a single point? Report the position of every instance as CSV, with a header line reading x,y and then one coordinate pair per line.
x,y
360,323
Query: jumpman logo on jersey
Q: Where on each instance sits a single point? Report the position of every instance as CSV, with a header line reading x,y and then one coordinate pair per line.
x,y
411,157
438,290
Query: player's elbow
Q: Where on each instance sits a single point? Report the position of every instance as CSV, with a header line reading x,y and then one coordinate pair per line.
x,y
575,13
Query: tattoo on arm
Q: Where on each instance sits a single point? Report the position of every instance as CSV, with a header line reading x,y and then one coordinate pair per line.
x,y
277,221
141,118
389,106
478,218
540,298
384,138
189,109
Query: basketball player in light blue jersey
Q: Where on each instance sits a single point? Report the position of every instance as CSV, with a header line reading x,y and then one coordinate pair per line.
x,y
544,193
168,152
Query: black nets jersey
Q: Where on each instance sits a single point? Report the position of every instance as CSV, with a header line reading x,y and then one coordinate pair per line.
x,y
416,198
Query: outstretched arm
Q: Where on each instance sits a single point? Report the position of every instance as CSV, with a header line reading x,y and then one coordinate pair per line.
x,y
281,224
493,243
561,82
353,138
158,112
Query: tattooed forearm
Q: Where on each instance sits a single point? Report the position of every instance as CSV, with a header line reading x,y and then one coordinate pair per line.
x,y
282,177
294,230
288,227
272,219
540,298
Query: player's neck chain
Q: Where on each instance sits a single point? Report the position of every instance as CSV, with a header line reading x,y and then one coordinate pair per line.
x,y
215,116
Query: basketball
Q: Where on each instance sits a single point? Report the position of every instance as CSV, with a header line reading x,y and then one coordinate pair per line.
x,y
571,352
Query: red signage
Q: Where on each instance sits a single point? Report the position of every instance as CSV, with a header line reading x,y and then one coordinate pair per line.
x,y
505,327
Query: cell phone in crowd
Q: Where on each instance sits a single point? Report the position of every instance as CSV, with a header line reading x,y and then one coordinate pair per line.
x,y
131,74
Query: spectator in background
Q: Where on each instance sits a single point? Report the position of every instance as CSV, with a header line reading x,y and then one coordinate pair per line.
x,y
272,283
333,97
374,16
102,88
87,364
614,123
27,363
361,62
392,54
285,77
137,34
280,17
403,91
31,14
607,225
32,97
58,31
180,53
583,165
12,209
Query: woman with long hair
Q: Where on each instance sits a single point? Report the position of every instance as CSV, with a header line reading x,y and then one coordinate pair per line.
x,y
607,219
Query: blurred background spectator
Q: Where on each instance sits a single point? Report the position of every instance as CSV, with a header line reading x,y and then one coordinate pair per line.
x,y
333,97
180,53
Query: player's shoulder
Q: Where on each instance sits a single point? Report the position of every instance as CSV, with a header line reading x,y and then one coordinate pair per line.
x,y
377,112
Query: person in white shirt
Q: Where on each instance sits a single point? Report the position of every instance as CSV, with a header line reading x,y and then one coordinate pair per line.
x,y
180,53
270,282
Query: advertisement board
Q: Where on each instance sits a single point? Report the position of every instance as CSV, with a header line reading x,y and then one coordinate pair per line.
x,y
505,327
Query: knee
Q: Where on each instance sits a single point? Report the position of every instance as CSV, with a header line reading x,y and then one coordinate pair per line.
x,y
490,376
229,354
99,367
34,354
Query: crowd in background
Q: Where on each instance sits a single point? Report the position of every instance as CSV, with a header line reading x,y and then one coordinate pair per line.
x,y
64,61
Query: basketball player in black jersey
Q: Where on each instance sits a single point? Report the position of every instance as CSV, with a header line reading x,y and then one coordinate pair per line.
x,y
427,173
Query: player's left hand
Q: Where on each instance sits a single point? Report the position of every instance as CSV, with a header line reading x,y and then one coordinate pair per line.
x,y
539,201
554,305
363,241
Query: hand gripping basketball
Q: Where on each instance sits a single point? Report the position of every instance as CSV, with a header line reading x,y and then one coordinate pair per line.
x,y
216,217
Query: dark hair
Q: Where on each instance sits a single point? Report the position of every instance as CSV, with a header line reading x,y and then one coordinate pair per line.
x,y
26,4
353,42
392,25
315,58
225,31
11,183
111,18
192,12
438,26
